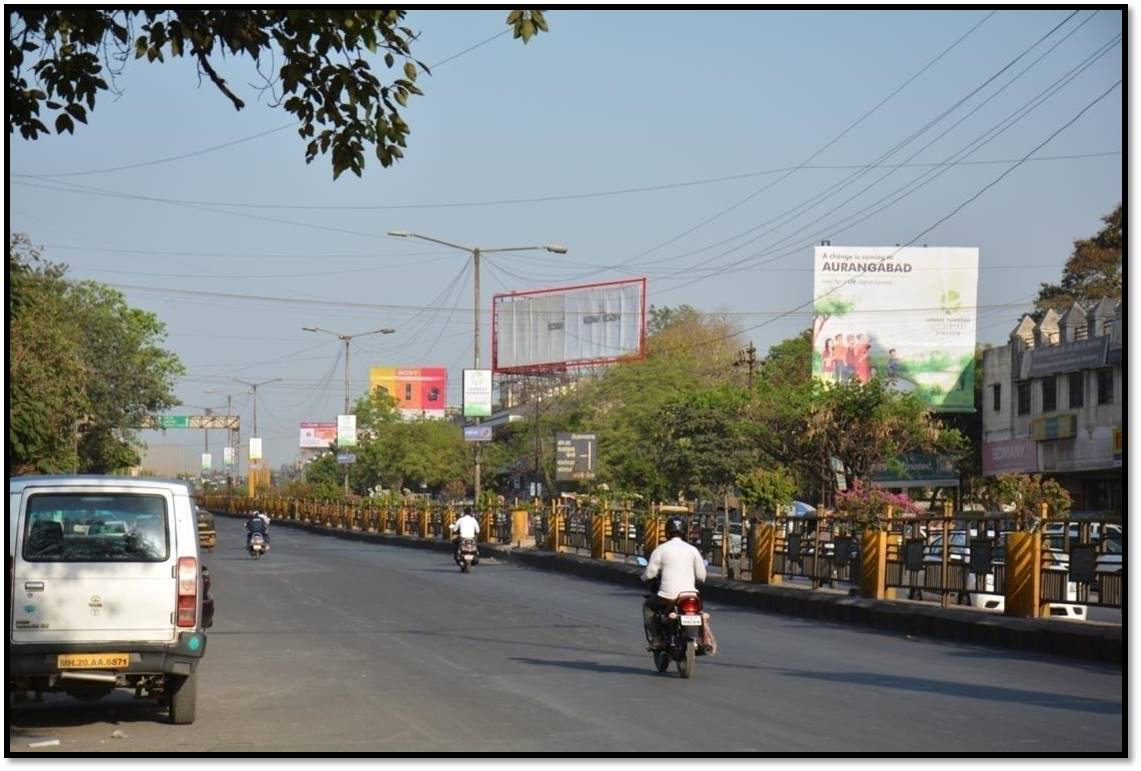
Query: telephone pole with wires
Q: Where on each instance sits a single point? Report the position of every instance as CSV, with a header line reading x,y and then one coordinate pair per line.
x,y
748,358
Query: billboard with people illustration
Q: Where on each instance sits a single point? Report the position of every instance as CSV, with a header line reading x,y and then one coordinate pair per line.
x,y
905,314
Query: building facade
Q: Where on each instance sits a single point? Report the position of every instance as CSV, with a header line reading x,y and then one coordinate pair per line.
x,y
1052,404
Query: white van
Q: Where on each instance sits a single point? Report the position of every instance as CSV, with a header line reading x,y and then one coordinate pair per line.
x,y
107,589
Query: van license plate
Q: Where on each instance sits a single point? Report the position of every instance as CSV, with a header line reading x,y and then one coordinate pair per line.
x,y
691,620
93,660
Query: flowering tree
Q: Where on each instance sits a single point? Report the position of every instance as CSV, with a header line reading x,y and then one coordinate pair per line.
x,y
868,505
1023,496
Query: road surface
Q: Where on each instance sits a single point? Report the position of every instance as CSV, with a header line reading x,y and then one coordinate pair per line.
x,y
331,645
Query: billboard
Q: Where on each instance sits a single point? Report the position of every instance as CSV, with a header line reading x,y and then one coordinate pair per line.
x,y
550,329
477,392
418,391
228,456
255,448
918,469
906,314
318,435
207,461
346,431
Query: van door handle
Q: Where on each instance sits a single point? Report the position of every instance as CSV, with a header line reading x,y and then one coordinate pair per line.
x,y
34,586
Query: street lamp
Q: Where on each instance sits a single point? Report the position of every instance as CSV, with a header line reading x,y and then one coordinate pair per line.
x,y
475,253
348,339
252,481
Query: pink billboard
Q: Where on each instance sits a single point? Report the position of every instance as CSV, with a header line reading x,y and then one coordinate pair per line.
x,y
1009,456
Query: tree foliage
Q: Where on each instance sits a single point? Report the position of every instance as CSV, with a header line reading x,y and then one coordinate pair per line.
x,y
1093,270
326,64
85,369
768,489
1023,495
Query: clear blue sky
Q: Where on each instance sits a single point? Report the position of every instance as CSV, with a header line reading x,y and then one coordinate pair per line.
x,y
607,101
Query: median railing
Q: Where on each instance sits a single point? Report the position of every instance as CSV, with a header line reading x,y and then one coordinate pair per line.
x,y
956,558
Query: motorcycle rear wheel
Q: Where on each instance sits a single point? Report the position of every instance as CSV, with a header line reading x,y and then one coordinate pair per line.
x,y
686,663
464,567
661,660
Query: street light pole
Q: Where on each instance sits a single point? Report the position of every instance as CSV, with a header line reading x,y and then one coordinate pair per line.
x,y
254,433
475,253
347,339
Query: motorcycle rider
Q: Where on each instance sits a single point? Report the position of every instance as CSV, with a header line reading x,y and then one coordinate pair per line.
x,y
467,526
680,568
257,523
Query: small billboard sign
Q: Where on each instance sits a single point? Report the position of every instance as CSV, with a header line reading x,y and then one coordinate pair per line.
x,y
207,461
477,392
477,433
255,448
345,458
318,435
228,456
346,430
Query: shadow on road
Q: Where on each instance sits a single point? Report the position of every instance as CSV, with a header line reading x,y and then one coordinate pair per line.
x,y
590,666
30,720
966,690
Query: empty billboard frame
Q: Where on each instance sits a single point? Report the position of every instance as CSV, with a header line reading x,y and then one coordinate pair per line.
x,y
552,330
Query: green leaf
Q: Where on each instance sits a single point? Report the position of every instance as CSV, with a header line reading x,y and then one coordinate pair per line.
x,y
389,59
527,29
63,123
514,17
410,70
540,20
76,111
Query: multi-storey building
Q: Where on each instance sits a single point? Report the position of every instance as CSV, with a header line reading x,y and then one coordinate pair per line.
x,y
1052,403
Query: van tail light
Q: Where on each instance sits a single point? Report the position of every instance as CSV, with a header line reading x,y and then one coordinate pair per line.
x,y
690,603
187,591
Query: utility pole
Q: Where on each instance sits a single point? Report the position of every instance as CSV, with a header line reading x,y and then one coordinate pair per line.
x,y
748,358
255,386
348,339
475,253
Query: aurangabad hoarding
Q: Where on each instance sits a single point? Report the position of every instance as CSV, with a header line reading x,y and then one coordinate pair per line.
x,y
551,329
905,314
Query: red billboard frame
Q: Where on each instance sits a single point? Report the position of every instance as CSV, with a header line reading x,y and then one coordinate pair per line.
x,y
563,366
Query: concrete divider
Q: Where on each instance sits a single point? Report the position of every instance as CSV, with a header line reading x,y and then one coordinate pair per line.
x,y
1083,640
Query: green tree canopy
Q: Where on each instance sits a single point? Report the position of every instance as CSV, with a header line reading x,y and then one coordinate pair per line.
x,y
85,370
1093,270
326,64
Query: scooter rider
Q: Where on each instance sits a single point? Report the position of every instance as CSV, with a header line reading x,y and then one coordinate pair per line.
x,y
257,523
680,568
466,526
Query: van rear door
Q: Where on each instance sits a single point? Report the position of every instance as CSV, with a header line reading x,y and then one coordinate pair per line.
x,y
95,564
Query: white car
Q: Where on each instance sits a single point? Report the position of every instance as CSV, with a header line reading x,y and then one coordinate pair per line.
x,y
107,588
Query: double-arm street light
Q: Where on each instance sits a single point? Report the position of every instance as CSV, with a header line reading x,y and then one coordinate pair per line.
x,y
475,253
348,339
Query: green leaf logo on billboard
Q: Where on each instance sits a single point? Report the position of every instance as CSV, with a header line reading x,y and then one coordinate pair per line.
x,y
950,302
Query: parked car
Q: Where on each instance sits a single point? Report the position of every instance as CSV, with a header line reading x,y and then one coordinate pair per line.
x,y
95,610
736,539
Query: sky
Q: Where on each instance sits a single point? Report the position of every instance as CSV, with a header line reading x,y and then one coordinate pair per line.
x,y
708,151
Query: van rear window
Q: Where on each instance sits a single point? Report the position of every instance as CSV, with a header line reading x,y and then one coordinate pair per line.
x,y
106,527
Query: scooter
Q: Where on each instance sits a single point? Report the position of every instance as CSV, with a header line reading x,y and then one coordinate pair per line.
x,y
682,632
258,547
467,555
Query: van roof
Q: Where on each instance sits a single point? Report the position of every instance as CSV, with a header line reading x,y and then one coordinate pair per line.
x,y
18,484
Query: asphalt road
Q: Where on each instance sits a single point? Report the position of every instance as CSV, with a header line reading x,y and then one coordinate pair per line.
x,y
330,645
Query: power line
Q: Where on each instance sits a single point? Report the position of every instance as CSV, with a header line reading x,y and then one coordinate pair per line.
x,y
903,191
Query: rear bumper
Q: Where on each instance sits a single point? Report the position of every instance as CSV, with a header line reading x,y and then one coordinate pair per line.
x,y
178,658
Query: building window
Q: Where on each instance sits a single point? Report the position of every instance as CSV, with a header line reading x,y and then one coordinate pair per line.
x,y
1105,386
1049,394
1023,397
1077,389
996,394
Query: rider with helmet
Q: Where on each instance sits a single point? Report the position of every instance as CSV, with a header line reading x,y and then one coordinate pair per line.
x,y
679,568
257,523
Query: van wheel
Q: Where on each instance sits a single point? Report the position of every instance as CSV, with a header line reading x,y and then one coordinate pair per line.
x,y
181,697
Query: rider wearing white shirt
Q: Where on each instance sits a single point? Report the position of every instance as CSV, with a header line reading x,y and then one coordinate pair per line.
x,y
466,526
680,567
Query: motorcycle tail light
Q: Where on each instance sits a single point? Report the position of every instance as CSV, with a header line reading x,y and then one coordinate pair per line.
x,y
689,604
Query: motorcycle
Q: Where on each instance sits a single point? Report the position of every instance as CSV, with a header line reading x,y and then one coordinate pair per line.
x,y
467,555
258,547
683,632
